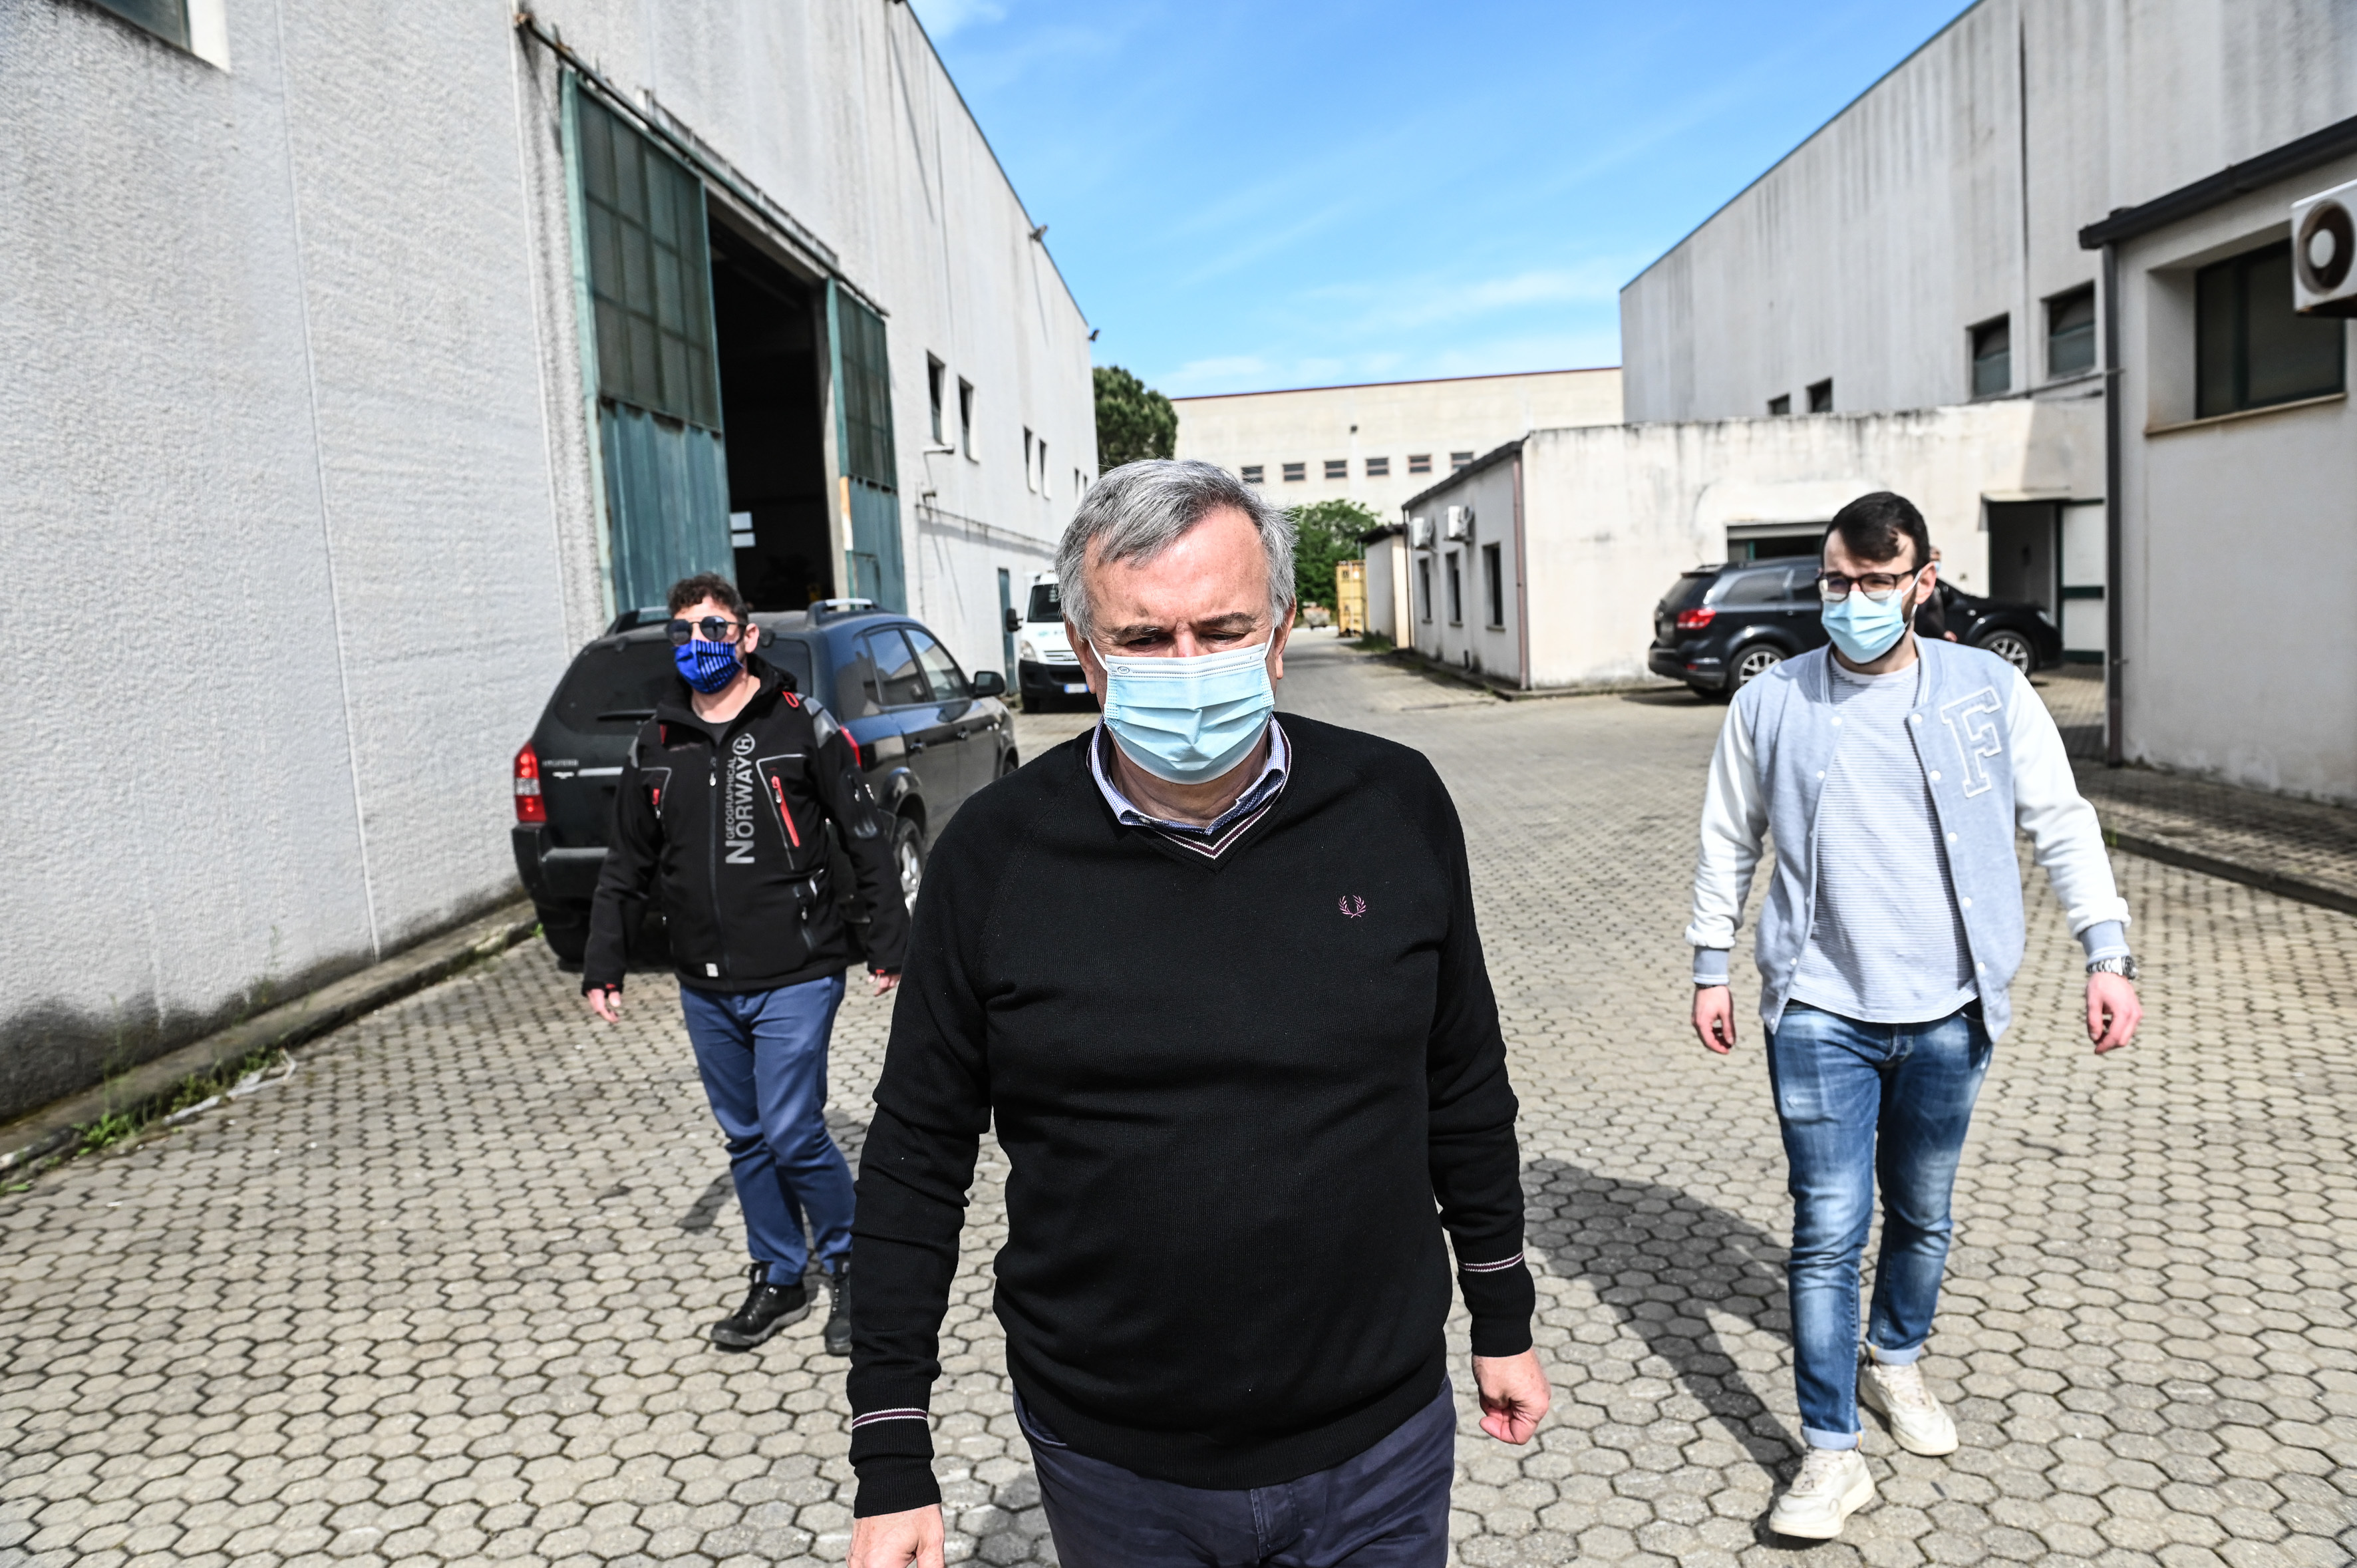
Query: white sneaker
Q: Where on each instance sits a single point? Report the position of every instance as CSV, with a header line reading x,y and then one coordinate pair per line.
x,y
1900,1397
1834,1484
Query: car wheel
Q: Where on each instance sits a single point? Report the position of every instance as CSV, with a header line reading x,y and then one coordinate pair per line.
x,y
2014,649
1750,664
909,858
566,929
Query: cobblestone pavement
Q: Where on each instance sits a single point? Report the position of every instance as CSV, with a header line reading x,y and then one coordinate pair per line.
x,y
2178,817
440,1296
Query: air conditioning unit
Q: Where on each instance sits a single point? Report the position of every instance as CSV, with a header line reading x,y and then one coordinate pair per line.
x,y
2324,252
1419,532
1460,523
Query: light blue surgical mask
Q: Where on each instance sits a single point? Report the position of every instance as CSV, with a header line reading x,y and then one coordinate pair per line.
x,y
1187,721
1865,628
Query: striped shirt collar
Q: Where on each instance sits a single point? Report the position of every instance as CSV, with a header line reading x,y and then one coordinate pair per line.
x,y
1212,839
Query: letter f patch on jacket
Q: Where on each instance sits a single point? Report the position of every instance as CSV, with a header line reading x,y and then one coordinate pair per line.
x,y
1973,724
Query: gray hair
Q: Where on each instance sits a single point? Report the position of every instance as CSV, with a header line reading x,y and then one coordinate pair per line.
x,y
1140,510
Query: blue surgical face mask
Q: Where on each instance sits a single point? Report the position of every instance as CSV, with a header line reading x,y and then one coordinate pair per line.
x,y
707,666
1863,628
1187,721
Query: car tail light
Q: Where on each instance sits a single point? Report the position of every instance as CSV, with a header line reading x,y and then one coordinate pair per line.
x,y
529,807
1695,620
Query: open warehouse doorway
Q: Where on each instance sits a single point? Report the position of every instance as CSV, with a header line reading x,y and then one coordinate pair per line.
x,y
770,327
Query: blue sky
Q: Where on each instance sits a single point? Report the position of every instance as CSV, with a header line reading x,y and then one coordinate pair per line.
x,y
1247,194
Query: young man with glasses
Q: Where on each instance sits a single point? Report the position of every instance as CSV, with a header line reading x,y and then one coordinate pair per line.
x,y
738,798
1893,772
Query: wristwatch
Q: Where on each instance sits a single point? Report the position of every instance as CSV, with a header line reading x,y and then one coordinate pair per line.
x,y
2125,966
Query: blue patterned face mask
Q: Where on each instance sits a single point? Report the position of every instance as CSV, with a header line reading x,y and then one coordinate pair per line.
x,y
1187,721
707,666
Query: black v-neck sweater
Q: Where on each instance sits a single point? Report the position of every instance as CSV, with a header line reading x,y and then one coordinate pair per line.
x,y
1241,1099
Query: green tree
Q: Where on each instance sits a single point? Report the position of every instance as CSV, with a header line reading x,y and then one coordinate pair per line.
x,y
1133,421
1325,533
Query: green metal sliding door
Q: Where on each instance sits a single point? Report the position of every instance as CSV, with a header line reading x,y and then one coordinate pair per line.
x,y
648,279
862,430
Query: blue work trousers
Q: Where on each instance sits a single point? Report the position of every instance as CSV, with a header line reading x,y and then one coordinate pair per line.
x,y
1858,1100
1387,1508
762,1055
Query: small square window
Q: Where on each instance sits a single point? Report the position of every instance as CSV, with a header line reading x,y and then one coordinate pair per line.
x,y
1779,406
1338,467
1419,463
1459,460
1252,473
1821,396
1295,472
2070,332
1379,467
1993,357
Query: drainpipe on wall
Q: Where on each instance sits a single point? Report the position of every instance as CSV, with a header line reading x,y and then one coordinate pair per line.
x,y
2115,617
1521,587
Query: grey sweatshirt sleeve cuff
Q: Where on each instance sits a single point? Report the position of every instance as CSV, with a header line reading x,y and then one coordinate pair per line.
x,y
1710,964
2104,939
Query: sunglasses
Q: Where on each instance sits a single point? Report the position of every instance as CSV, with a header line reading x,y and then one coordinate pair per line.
x,y
710,628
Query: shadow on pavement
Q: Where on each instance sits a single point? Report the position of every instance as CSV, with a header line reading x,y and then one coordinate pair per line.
x,y
1662,1262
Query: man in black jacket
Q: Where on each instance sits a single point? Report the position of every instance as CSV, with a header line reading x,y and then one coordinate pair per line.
x,y
1214,977
735,794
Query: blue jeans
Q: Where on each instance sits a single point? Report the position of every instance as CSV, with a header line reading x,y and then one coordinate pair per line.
x,y
1387,1508
763,1058
1856,1100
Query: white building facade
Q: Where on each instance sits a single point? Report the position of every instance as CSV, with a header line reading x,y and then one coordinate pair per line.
x,y
1380,443
1927,248
361,370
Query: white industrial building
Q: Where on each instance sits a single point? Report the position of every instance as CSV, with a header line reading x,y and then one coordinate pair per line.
x,y
362,366
1380,443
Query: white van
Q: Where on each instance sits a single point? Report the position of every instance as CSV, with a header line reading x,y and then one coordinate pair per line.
x,y
1047,670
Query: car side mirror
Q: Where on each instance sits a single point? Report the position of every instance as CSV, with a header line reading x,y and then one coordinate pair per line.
x,y
1014,619
989,682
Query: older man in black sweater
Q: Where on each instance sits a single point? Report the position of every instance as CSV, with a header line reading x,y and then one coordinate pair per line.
x,y
1215,978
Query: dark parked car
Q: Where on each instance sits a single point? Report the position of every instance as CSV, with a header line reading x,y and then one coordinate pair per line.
x,y
928,736
1718,627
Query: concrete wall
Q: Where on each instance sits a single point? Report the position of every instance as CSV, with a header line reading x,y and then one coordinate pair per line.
x,y
294,456
1612,515
2239,538
1396,420
1953,192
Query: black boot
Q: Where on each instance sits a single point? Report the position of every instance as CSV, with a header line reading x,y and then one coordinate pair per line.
x,y
768,1306
838,1309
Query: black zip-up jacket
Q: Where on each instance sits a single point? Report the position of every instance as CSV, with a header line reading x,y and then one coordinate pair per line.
x,y
744,829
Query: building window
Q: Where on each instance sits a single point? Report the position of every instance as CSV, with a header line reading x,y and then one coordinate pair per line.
x,y
1493,583
1456,592
1419,463
1821,397
1295,472
965,417
1030,480
2070,332
934,373
1424,588
1043,466
1459,460
1253,472
649,273
1993,357
1338,467
1779,406
1080,484
2251,348
1379,467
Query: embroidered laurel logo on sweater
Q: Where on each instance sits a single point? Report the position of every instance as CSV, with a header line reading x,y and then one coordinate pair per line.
x,y
1350,903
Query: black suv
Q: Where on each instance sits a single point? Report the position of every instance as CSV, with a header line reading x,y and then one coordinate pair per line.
x,y
1718,627
928,736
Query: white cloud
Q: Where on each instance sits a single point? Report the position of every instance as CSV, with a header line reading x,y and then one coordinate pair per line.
x,y
944,17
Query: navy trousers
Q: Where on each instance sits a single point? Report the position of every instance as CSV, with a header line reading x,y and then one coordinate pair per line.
x,y
1387,1508
762,1055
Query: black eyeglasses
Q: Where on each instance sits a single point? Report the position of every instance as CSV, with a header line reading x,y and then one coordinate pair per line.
x,y
1834,588
712,629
